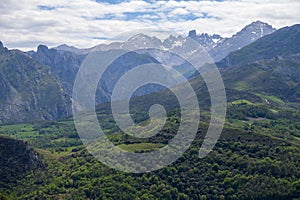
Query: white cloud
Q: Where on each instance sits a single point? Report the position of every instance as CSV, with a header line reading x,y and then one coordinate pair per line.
x,y
78,22
179,11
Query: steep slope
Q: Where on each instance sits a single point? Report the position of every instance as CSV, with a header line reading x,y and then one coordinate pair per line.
x,y
285,41
28,90
247,35
122,65
278,77
64,65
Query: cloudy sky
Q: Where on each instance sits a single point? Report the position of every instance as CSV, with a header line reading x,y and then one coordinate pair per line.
x,y
85,23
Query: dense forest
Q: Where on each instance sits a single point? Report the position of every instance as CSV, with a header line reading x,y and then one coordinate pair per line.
x,y
257,157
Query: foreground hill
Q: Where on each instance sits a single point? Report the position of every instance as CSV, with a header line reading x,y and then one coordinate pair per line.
x,y
247,163
17,160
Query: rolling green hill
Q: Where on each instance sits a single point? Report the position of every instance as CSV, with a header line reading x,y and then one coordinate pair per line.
x,y
278,77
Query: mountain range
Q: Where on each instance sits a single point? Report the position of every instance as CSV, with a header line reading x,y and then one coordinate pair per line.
x,y
217,46
38,84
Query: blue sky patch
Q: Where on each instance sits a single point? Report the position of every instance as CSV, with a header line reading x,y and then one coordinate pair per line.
x,y
101,38
44,7
110,1
141,15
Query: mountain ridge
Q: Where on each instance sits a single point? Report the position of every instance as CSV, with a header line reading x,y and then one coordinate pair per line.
x,y
285,41
246,36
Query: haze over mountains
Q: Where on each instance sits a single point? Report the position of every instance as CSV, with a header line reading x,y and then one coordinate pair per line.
x,y
216,45
53,71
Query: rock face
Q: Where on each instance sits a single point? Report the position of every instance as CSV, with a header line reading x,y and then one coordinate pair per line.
x,y
63,64
17,159
205,40
28,90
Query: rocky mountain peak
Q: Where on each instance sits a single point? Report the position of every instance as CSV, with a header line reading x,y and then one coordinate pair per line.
x,y
42,48
259,23
247,35
204,39
142,41
257,29
192,33
2,47
139,36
